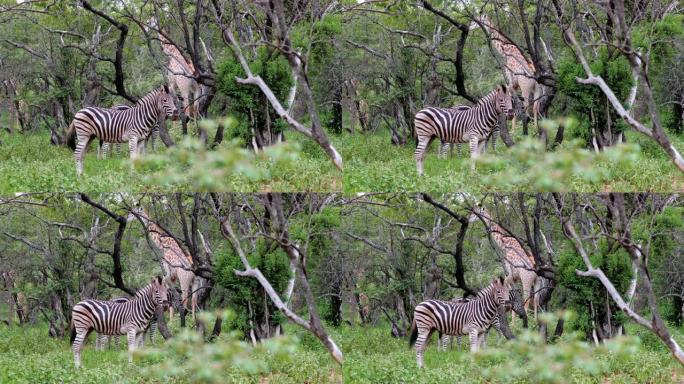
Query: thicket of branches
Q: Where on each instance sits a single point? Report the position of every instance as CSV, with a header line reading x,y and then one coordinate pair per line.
x,y
321,67
323,261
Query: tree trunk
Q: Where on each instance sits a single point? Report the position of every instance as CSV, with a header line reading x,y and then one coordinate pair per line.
x,y
336,122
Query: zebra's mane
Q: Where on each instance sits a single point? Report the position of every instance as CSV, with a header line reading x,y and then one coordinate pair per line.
x,y
486,291
150,96
487,99
142,292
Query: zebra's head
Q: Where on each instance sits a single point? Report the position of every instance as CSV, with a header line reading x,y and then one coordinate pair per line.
x,y
501,290
160,293
168,103
504,103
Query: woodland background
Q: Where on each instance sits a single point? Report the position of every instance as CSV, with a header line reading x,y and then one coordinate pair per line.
x,y
358,266
350,77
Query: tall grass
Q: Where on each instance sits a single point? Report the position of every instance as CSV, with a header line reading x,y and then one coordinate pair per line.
x,y
371,163
27,355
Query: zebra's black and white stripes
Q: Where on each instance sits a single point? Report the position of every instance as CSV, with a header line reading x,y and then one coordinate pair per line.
x,y
119,126
103,340
470,318
108,318
516,304
455,125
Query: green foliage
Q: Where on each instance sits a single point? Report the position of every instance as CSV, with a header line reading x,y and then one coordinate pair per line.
x,y
243,292
587,102
29,163
580,293
190,163
371,356
246,100
188,358
657,36
531,359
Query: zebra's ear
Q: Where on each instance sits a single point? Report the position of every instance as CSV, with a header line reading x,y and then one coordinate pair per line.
x,y
166,88
503,87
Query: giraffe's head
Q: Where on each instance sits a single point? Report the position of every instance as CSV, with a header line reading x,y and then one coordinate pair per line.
x,y
168,103
504,102
478,211
501,290
137,212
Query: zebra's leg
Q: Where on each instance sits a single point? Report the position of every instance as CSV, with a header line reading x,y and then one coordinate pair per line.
x,y
421,341
140,339
79,153
482,342
474,154
117,148
421,149
133,147
495,135
154,134
458,340
78,344
439,341
445,341
153,331
459,148
100,148
99,341
131,336
473,340
442,150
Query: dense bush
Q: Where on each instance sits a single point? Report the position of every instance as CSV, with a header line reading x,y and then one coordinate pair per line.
x,y
246,101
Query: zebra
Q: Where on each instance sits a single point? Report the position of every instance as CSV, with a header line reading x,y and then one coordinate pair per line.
x,y
103,339
118,126
108,318
471,125
103,148
517,305
471,318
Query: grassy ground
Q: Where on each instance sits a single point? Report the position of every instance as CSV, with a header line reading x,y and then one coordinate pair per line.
x,y
27,355
27,163
372,164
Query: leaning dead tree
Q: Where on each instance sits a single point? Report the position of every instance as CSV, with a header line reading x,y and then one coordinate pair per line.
x,y
280,24
620,232
275,227
616,32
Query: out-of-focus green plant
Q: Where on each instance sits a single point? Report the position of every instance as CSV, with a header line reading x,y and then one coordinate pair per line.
x,y
188,357
530,358
190,164
530,166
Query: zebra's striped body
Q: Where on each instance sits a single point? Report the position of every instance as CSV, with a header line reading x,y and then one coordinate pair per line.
x,y
103,148
455,125
108,318
517,306
471,318
103,340
119,126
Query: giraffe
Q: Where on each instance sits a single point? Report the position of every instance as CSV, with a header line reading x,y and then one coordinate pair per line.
x,y
179,74
176,263
518,69
518,263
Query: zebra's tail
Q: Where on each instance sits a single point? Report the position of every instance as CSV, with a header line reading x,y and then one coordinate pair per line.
x,y
414,334
73,331
71,136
